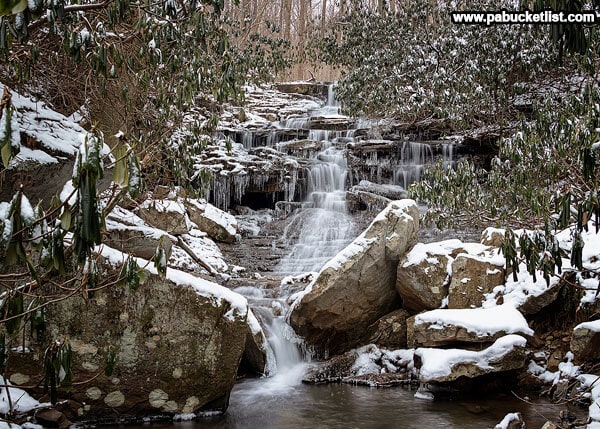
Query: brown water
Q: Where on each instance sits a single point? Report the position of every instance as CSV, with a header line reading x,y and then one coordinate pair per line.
x,y
255,405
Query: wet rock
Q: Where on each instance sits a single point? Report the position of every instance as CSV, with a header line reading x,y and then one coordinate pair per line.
x,y
332,371
367,365
219,225
472,277
330,123
302,145
392,192
585,341
255,356
172,342
52,419
356,287
448,365
389,331
378,380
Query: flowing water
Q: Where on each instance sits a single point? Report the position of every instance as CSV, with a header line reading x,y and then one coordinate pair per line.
x,y
318,231
323,226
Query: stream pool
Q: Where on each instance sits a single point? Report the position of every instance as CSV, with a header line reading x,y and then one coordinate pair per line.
x,y
262,404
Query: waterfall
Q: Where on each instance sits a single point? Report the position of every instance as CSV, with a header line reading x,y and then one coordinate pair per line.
x,y
323,226
286,358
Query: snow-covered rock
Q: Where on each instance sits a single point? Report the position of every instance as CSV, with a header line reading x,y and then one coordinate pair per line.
x,y
368,365
473,277
48,142
441,327
19,402
178,342
444,365
130,234
511,421
219,225
167,215
585,341
356,287
424,275
591,383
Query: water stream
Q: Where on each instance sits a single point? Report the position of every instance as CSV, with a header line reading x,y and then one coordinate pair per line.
x,y
323,226
318,231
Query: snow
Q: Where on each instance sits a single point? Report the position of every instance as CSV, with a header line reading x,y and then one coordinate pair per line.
x,y
481,321
507,420
592,382
218,216
566,370
517,292
216,293
591,326
203,247
437,363
57,135
373,360
255,327
164,206
421,252
21,401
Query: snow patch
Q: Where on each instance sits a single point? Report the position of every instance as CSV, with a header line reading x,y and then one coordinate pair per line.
x,y
481,321
21,401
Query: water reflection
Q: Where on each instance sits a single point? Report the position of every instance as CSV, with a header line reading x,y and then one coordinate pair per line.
x,y
358,407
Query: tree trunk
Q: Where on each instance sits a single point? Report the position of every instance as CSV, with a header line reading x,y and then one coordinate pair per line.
x,y
286,18
323,14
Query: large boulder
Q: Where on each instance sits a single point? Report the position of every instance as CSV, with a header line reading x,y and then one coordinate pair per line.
x,y
128,233
219,225
472,278
356,287
424,274
389,331
447,365
167,215
178,343
480,325
585,341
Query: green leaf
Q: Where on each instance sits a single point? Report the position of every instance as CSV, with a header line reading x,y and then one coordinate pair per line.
x,y
65,219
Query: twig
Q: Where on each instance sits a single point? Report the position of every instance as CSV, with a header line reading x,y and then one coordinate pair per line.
x,y
195,257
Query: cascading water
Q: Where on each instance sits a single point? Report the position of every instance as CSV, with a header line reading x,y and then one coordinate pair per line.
x,y
323,226
286,360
